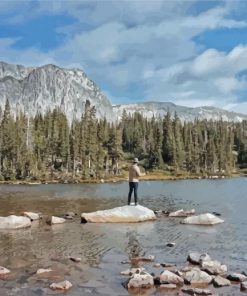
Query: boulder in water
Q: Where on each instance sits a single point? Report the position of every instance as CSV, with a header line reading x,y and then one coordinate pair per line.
x,y
14,222
203,219
237,277
213,267
55,220
197,277
171,278
243,286
142,280
32,216
198,258
4,271
120,215
221,282
182,213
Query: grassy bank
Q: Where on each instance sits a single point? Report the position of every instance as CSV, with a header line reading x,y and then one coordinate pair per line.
x,y
150,176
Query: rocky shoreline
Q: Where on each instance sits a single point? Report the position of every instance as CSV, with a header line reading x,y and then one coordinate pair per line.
x,y
115,179
200,275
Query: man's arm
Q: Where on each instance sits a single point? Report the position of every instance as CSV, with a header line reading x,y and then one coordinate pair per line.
x,y
138,172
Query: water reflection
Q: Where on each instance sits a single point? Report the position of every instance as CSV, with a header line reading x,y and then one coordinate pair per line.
x,y
134,248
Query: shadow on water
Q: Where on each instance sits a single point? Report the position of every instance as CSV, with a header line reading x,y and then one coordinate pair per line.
x,y
103,246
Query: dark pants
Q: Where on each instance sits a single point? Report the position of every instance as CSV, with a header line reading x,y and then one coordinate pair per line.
x,y
133,186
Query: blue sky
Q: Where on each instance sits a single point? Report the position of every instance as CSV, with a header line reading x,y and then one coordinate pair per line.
x,y
192,53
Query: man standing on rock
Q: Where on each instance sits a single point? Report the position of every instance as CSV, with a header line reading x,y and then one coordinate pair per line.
x,y
134,174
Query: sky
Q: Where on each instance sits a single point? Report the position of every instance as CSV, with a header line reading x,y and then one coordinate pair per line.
x,y
191,53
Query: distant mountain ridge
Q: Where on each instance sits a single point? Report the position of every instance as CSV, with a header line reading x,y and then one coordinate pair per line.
x,y
37,89
150,109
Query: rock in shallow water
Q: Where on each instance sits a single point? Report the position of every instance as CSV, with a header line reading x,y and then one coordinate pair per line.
x,y
182,213
171,278
203,219
237,277
213,267
132,271
14,222
243,286
55,220
65,285
168,286
196,291
143,280
4,271
221,282
43,270
198,258
120,215
32,216
75,259
197,277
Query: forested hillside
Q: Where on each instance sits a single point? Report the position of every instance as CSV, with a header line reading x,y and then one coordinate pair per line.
x,y
39,147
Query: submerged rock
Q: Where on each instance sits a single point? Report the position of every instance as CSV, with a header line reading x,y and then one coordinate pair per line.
x,y
136,260
32,216
168,286
170,245
55,220
196,291
203,219
120,214
70,214
43,270
65,285
132,271
14,222
167,264
75,259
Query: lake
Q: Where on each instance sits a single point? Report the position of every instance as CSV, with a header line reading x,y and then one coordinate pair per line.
x,y
102,247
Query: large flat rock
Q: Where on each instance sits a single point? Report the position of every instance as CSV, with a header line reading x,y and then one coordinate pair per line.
x,y
120,215
14,222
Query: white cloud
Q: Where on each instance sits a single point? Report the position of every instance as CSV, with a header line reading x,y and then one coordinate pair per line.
x,y
28,57
212,78
145,44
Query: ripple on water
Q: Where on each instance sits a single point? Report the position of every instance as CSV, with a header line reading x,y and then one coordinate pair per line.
x,y
103,246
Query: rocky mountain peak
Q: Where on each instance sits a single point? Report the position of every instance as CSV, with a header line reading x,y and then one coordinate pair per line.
x,y
41,88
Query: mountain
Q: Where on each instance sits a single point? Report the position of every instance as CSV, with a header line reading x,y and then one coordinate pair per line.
x,y
33,89
37,89
150,109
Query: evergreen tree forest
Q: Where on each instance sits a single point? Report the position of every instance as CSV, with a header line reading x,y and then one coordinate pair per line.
x,y
43,146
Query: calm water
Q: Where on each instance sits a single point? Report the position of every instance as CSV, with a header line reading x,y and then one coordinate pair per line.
x,y
103,246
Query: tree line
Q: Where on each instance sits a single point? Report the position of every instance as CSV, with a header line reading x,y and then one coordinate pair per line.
x,y
41,145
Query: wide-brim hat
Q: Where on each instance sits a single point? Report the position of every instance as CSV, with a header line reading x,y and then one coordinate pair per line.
x,y
135,160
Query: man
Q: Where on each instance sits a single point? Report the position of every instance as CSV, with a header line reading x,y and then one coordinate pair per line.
x,y
134,174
